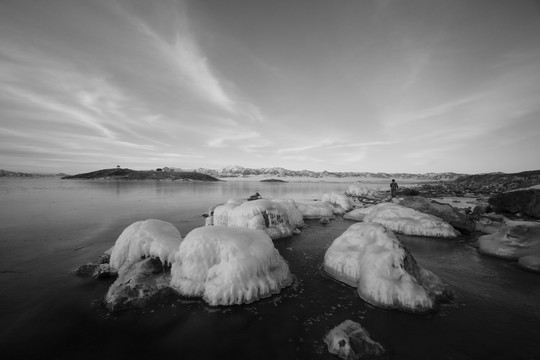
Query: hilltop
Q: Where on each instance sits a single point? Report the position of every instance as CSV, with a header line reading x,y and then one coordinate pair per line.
x,y
128,174
17,174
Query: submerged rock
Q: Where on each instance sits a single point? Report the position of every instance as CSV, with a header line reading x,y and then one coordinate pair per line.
x,y
524,201
371,258
138,285
349,340
227,266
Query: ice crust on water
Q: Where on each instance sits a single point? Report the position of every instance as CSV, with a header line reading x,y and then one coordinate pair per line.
x,y
371,258
340,202
145,238
267,215
407,221
314,209
227,266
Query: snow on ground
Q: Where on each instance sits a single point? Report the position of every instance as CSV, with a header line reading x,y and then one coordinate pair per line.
x,y
340,202
145,238
407,221
227,266
371,258
267,215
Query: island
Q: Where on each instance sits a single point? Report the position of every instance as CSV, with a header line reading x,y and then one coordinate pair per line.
x,y
129,174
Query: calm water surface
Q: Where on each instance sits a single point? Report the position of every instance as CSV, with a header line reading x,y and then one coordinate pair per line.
x,y
49,227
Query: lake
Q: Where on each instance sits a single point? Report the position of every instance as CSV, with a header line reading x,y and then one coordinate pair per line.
x,y
48,227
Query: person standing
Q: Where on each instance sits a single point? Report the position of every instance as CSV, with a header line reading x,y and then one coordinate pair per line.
x,y
393,187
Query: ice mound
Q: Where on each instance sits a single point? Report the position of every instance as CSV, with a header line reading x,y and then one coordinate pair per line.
x,y
227,266
340,203
407,221
263,214
145,238
358,214
358,190
313,209
530,263
296,219
371,258
515,240
349,340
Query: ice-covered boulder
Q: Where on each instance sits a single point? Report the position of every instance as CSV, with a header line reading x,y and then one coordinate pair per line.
x,y
515,240
408,221
358,214
371,258
145,238
360,190
314,209
266,215
296,219
530,263
446,212
349,340
227,266
137,285
339,202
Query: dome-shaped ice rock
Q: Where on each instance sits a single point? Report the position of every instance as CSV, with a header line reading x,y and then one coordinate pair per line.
x,y
515,240
372,259
145,238
314,209
340,203
227,266
407,221
266,215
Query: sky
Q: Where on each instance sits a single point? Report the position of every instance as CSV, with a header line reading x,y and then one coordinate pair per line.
x,y
410,86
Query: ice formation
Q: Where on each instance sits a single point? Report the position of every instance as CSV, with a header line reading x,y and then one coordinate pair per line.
x,y
296,218
407,221
349,340
145,238
263,214
227,266
371,258
530,262
358,190
358,214
339,202
515,240
313,209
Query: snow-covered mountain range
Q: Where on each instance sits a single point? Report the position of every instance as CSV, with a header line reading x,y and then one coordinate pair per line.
x,y
240,171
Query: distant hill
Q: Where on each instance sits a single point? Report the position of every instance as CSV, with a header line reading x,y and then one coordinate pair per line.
x,y
497,182
16,174
128,174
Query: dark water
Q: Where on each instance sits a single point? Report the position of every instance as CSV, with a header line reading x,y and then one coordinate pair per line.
x,y
49,227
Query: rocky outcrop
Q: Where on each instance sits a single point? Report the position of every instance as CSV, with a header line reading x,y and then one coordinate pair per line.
x,y
447,212
138,285
524,201
349,340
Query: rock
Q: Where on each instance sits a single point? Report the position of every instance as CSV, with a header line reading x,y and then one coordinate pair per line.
x,y
525,201
408,192
324,221
371,258
512,241
86,269
530,263
446,212
138,285
349,340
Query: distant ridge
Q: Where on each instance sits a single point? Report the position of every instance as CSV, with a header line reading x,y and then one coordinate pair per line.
x,y
17,174
239,171
128,174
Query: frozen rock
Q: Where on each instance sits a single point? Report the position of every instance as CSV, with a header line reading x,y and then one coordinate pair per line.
x,y
513,241
137,285
524,201
266,215
349,340
340,203
408,221
358,214
314,209
296,219
371,258
227,266
530,263
359,190
446,212
145,238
